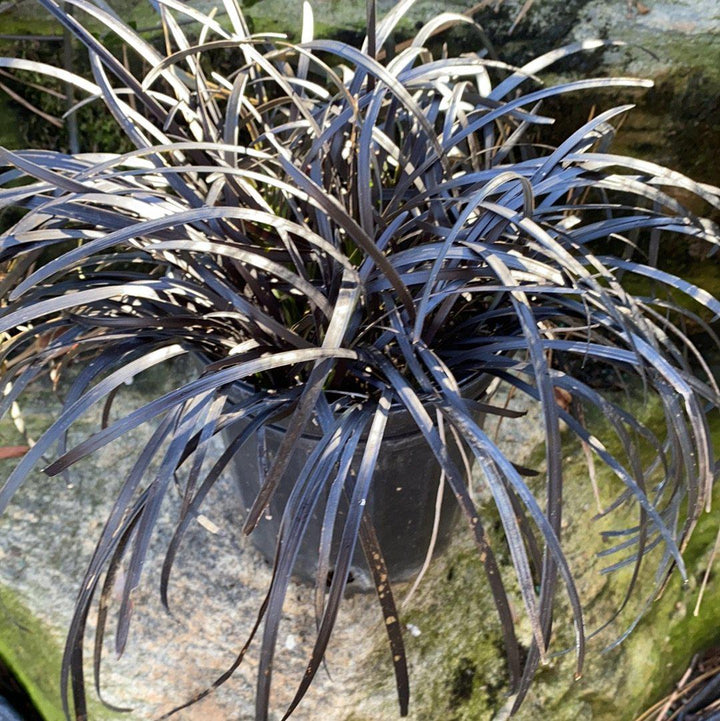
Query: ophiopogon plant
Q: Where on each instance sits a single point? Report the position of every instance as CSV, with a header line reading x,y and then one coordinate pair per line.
x,y
350,231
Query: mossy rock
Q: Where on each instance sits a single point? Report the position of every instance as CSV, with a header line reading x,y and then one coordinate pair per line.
x,y
30,652
457,662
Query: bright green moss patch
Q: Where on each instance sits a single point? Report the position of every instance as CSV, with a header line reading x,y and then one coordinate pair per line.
x,y
28,650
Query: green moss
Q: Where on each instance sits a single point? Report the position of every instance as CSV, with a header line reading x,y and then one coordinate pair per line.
x,y
670,50
465,684
25,19
28,650
458,671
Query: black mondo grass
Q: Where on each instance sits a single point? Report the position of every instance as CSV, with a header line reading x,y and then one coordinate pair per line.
x,y
349,232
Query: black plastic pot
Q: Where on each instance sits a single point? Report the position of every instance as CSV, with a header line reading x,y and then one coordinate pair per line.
x,y
401,502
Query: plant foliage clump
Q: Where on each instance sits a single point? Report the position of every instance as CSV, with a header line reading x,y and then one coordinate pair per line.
x,y
348,232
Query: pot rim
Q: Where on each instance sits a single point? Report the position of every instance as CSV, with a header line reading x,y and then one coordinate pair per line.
x,y
480,385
